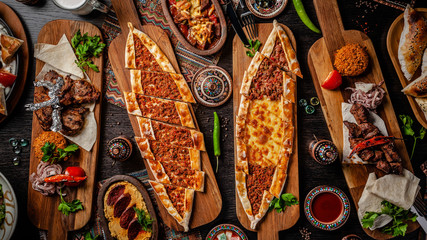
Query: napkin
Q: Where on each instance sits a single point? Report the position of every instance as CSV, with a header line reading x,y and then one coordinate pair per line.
x,y
60,56
399,190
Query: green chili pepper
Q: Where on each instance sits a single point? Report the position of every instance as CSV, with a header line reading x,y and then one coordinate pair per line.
x,y
303,15
216,138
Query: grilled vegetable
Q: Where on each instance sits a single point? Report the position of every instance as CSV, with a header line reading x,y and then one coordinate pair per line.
x,y
375,141
64,178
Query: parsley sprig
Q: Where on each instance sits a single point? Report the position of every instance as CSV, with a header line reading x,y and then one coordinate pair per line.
x,y
144,219
69,207
253,47
88,236
285,200
87,47
398,226
408,131
49,153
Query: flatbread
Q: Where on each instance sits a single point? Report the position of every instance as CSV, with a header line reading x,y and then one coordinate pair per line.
x,y
158,151
413,42
292,63
186,202
131,55
162,85
168,111
173,135
9,46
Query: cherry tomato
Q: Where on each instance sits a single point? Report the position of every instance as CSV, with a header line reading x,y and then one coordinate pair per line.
x,y
213,19
6,78
75,172
333,80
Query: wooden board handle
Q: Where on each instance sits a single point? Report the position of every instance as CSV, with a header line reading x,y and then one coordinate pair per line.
x,y
57,230
127,11
268,235
329,17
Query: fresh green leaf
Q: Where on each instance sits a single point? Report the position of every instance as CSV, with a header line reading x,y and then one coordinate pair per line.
x,y
250,54
398,226
87,47
408,131
69,207
50,154
253,47
285,200
422,133
144,219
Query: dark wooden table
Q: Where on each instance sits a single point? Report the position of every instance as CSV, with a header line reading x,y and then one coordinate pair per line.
x,y
358,14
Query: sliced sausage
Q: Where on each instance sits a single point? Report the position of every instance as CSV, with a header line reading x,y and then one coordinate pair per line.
x,y
134,229
114,194
127,216
121,204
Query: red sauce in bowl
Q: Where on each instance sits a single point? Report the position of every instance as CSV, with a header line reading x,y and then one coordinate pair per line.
x,y
327,207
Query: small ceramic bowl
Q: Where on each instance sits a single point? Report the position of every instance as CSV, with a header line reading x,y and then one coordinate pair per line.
x,y
332,224
212,86
266,12
222,228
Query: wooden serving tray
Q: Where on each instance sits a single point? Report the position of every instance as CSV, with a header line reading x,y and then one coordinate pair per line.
x,y
268,228
393,39
14,23
43,210
207,204
320,62
134,181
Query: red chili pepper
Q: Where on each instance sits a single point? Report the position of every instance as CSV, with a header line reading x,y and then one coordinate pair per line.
x,y
64,178
375,141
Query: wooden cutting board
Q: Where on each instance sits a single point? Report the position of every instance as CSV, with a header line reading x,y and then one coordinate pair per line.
x,y
268,228
10,17
393,39
207,204
43,211
320,62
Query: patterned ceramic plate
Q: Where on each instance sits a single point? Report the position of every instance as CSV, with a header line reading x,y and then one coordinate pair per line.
x,y
277,6
212,86
224,228
339,221
11,211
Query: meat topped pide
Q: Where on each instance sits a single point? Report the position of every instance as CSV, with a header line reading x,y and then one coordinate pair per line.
x,y
258,180
178,136
159,85
164,111
177,197
268,82
143,58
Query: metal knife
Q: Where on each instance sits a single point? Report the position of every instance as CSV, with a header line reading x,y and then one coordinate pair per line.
x,y
420,219
236,23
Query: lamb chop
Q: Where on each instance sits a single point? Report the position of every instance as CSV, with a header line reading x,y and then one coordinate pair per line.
x,y
73,120
369,130
354,130
366,154
383,166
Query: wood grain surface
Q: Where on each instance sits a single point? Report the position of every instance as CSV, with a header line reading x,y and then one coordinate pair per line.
x,y
14,23
273,222
393,39
320,62
207,204
134,181
42,210
184,41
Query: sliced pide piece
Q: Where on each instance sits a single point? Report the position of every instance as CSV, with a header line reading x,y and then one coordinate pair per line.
x,y
278,183
162,85
162,152
143,53
279,49
177,201
172,135
9,46
159,109
263,80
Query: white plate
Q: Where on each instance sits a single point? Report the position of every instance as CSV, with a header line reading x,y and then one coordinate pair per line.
x,y
9,224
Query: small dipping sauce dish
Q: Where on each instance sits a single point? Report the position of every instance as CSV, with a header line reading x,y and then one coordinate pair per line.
x,y
327,207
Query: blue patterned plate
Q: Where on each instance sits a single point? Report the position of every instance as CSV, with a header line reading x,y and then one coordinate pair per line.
x,y
212,86
224,228
345,213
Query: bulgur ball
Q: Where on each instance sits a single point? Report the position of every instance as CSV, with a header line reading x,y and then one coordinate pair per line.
x,y
351,60
51,137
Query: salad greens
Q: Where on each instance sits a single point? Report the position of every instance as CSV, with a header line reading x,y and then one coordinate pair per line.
x,y
253,47
398,226
69,207
87,47
408,131
144,219
49,153
285,200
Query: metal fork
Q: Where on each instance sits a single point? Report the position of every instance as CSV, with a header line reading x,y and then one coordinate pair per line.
x,y
248,21
419,205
